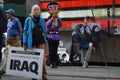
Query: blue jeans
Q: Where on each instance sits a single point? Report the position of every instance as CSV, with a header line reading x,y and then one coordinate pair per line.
x,y
86,53
1,45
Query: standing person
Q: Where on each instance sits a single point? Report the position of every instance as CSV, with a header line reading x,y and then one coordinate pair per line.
x,y
34,34
3,27
53,25
14,29
86,46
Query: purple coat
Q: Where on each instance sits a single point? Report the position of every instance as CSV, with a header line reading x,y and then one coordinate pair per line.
x,y
56,28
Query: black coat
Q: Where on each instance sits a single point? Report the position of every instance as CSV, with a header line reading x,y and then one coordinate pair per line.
x,y
3,23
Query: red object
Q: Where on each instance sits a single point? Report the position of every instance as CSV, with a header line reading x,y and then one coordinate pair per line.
x,y
53,8
65,4
68,24
76,4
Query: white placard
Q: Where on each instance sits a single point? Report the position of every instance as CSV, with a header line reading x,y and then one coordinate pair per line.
x,y
27,63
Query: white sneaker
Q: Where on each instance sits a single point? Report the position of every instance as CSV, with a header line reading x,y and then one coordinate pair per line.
x,y
85,65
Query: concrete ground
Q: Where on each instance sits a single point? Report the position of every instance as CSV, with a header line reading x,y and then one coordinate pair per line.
x,y
78,73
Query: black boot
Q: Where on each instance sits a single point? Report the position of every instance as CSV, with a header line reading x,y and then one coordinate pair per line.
x,y
45,78
53,66
2,72
34,79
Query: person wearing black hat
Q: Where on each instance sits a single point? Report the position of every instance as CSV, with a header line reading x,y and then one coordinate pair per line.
x,y
14,29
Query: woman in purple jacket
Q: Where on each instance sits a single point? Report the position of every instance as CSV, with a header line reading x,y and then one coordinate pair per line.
x,y
53,25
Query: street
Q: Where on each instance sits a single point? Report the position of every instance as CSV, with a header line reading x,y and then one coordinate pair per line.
x,y
78,73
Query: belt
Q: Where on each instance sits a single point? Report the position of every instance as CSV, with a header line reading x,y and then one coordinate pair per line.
x,y
53,32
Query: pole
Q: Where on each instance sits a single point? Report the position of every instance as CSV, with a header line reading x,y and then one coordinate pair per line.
x,y
93,14
113,12
108,13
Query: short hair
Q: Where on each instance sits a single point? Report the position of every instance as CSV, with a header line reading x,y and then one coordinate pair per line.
x,y
34,6
87,17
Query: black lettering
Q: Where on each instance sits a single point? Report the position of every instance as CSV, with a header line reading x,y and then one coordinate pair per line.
x,y
25,66
17,64
11,64
34,67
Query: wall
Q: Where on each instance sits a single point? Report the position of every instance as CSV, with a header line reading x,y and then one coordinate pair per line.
x,y
109,48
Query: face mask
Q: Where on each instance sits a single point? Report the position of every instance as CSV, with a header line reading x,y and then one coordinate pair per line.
x,y
1,6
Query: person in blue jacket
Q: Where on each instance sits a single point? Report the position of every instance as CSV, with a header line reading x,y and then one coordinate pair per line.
x,y
34,33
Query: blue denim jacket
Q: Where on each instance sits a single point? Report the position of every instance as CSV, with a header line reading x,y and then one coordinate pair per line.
x,y
28,29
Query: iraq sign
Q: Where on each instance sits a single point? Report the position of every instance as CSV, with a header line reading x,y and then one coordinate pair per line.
x,y
27,63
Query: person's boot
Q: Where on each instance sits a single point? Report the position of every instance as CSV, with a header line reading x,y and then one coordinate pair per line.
x,y
2,72
34,79
44,78
53,66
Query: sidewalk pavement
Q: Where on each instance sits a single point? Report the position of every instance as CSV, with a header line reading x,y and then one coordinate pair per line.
x,y
78,73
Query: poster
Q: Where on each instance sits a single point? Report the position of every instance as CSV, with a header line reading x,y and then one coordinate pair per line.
x,y
27,63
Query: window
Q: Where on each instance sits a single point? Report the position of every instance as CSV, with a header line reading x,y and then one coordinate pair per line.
x,y
16,1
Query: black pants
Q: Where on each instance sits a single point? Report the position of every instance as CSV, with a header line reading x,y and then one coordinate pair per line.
x,y
1,45
53,46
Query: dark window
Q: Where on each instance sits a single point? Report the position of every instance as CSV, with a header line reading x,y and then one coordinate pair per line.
x,y
15,1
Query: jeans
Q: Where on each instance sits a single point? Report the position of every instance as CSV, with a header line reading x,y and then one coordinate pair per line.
x,y
86,54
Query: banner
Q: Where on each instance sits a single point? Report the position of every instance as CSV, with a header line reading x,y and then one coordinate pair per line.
x,y
86,32
27,63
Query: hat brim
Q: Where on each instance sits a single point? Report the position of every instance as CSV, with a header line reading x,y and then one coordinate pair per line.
x,y
9,13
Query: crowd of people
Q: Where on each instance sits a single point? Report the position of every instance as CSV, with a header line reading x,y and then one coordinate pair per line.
x,y
35,33
12,25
